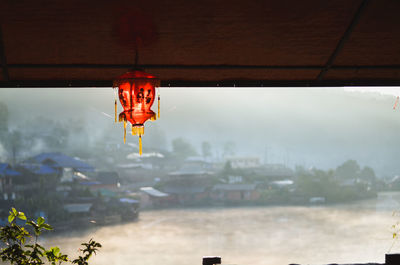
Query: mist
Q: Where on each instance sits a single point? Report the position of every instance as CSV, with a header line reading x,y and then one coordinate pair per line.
x,y
319,216
319,127
353,233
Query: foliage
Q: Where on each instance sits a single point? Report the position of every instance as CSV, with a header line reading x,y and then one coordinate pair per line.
x,y
319,183
22,247
229,149
368,174
4,114
275,196
228,168
206,149
348,170
182,148
395,231
90,248
352,170
14,145
33,202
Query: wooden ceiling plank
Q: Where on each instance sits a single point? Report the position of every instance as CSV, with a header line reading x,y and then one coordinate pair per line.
x,y
344,38
3,58
201,66
167,66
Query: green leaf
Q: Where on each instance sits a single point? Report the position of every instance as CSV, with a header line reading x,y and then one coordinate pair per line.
x,y
40,221
55,250
11,218
47,226
21,216
32,223
63,257
40,247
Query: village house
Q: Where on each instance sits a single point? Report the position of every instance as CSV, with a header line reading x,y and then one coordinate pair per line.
x,y
34,175
193,167
187,191
105,180
244,162
190,183
136,174
66,166
151,197
7,173
235,192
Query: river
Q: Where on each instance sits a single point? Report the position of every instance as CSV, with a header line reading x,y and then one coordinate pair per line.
x,y
348,233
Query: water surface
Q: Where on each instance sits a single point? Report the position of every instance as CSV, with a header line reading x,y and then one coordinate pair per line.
x,y
356,232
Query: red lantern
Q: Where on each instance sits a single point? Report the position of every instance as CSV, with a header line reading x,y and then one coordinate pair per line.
x,y
136,92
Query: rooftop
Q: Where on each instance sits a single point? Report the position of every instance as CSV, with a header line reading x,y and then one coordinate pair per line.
x,y
62,161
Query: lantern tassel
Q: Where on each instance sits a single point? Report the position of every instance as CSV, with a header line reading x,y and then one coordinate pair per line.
x,y
159,100
140,144
124,131
115,110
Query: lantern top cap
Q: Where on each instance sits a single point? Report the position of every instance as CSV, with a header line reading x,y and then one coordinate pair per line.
x,y
136,76
135,73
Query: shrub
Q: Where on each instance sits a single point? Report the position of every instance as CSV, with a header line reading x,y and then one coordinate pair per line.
x,y
22,247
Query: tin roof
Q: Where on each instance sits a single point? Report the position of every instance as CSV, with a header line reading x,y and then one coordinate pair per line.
x,y
235,187
63,161
153,192
6,170
38,169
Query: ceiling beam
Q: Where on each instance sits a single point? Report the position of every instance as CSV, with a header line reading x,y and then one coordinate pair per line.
x,y
185,83
167,66
343,39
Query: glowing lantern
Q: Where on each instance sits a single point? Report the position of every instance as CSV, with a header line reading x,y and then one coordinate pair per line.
x,y
136,92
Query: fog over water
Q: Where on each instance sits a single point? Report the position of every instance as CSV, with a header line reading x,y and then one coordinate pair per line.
x,y
356,232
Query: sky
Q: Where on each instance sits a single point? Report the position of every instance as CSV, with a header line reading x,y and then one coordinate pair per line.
x,y
312,127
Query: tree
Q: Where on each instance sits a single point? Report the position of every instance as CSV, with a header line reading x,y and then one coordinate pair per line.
x,y
316,183
368,174
3,129
206,149
229,149
348,170
3,118
228,167
14,145
182,148
300,170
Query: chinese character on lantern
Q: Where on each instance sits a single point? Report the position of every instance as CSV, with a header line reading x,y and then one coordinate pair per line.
x,y
136,92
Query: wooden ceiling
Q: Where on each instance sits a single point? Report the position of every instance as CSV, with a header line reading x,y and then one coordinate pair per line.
x,y
203,43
